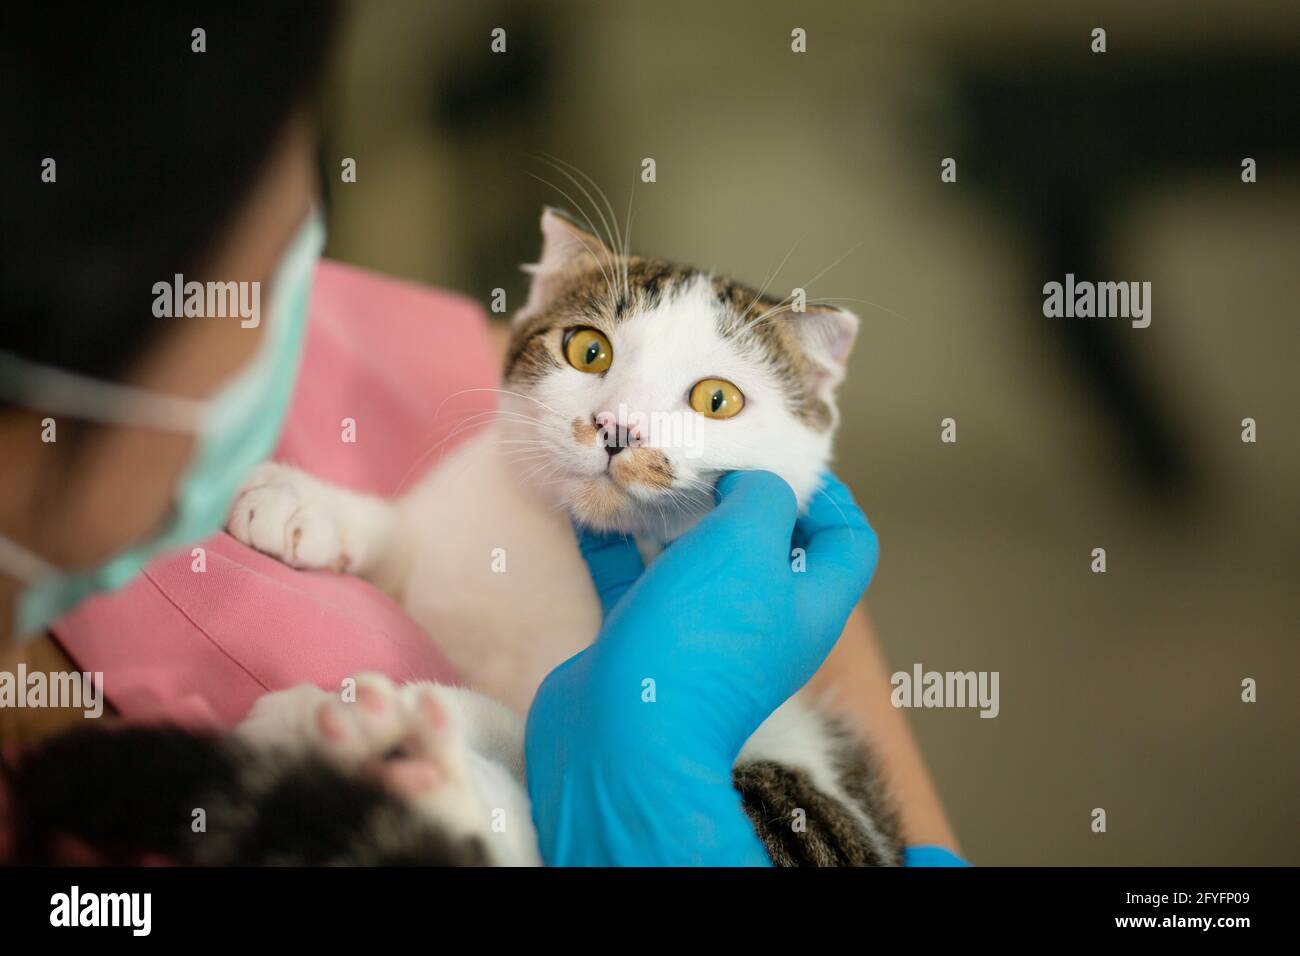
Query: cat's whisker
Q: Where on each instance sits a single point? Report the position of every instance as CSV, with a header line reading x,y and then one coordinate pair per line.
x,y
496,416
608,241
543,474
601,261
847,252
468,423
559,165
481,419
698,503
538,463
832,299
437,412
523,458
514,394
507,411
853,248
541,448
774,274
617,241
579,208
532,477
627,239
822,491
539,471
566,503
781,305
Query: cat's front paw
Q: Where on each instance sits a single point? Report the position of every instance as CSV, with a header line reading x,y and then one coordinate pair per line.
x,y
285,513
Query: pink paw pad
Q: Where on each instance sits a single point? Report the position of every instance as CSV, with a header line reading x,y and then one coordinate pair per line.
x,y
410,778
330,723
374,700
432,712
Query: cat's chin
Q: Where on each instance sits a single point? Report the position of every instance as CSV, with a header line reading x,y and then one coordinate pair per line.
x,y
603,505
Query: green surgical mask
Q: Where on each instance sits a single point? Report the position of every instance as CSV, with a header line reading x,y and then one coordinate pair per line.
x,y
237,427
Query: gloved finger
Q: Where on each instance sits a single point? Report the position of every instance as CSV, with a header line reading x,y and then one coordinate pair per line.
x,y
614,563
841,551
756,512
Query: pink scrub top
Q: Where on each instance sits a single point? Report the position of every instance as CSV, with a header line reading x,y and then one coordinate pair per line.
x,y
404,366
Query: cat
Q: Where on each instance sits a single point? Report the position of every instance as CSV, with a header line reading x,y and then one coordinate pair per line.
x,y
630,384
559,450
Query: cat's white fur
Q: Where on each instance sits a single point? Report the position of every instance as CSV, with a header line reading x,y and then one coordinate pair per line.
x,y
502,496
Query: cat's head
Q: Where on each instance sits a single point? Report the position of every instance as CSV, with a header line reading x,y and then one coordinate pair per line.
x,y
637,382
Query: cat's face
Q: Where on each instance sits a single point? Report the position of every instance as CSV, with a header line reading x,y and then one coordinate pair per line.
x,y
637,383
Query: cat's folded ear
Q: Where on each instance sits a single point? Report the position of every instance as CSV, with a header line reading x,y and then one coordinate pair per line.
x,y
827,335
565,244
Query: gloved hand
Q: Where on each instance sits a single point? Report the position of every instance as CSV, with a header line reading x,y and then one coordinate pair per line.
x,y
930,854
630,743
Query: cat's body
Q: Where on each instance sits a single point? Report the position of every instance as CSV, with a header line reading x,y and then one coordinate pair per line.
x,y
631,384
514,626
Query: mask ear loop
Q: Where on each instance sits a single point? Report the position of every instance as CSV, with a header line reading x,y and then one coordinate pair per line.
x,y
46,388
21,564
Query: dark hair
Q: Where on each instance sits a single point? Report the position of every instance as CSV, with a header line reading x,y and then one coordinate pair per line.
x,y
155,145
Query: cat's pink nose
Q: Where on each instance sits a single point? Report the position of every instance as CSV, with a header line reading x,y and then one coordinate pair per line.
x,y
613,436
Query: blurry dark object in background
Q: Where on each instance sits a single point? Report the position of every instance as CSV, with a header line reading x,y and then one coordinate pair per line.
x,y
1066,144
482,100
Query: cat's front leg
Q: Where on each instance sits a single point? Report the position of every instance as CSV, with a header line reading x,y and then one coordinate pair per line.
x,y
308,523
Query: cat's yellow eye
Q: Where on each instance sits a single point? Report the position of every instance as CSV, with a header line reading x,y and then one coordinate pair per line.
x,y
588,350
716,398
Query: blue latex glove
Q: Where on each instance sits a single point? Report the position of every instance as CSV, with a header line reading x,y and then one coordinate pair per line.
x,y
928,854
630,743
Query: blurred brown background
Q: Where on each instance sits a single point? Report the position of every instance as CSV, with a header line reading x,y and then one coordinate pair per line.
x,y
1119,690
